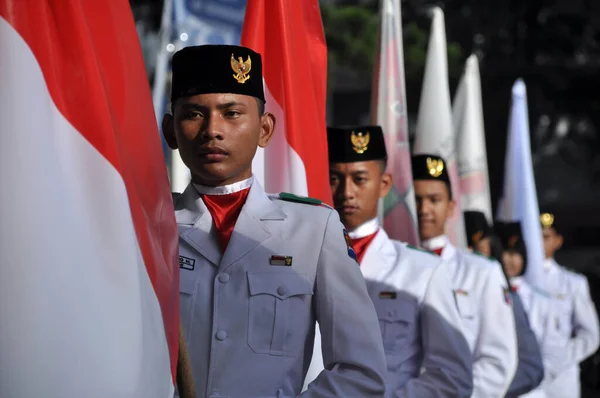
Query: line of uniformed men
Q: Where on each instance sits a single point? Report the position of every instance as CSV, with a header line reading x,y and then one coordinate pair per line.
x,y
258,270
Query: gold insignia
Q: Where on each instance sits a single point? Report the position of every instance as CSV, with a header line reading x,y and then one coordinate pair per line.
x,y
360,141
241,68
547,220
512,241
435,167
476,237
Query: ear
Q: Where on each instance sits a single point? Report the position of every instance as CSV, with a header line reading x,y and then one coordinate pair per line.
x,y
267,129
451,207
385,185
559,241
168,131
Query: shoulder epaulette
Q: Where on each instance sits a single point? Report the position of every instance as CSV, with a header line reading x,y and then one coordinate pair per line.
x,y
290,197
420,249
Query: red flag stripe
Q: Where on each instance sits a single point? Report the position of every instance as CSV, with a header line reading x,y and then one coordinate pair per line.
x,y
289,35
92,64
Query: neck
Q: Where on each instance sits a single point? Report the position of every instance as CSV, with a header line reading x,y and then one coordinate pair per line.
x,y
224,189
435,243
365,229
203,181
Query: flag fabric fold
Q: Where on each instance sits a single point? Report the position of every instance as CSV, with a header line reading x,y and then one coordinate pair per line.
x,y
89,300
519,197
434,124
467,121
290,38
388,110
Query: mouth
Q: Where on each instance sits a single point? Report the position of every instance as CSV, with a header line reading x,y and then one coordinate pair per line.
x,y
212,154
347,209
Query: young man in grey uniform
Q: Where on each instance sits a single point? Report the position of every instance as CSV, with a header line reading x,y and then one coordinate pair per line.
x,y
258,270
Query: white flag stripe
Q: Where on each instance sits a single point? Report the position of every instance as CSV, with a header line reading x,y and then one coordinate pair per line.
x,y
77,320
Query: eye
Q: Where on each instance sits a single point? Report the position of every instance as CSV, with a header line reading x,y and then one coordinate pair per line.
x,y
193,115
232,114
360,180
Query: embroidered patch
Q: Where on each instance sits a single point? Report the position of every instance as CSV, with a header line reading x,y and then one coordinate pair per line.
x,y
461,292
388,295
187,263
506,293
281,260
351,251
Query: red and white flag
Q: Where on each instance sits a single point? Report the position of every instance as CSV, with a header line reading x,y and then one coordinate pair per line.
x,y
388,110
88,240
289,36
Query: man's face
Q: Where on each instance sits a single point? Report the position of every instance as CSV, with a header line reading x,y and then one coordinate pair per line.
x,y
356,189
552,241
513,263
484,247
217,135
433,207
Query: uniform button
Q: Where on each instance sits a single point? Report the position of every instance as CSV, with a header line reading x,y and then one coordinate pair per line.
x,y
221,335
281,290
224,278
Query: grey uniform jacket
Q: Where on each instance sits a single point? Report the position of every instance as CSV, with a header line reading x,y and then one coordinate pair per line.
x,y
530,369
426,351
249,319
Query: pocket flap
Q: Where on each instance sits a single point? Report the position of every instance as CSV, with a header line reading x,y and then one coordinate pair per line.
x,y
396,310
279,284
464,305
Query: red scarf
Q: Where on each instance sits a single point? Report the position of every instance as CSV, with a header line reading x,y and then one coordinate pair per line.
x,y
438,251
361,245
225,210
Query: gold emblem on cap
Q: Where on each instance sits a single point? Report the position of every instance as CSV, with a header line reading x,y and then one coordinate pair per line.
x,y
547,220
435,167
360,141
241,68
476,237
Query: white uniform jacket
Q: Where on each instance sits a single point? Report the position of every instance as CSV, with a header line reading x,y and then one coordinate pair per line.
x,y
427,353
542,315
481,295
249,316
577,325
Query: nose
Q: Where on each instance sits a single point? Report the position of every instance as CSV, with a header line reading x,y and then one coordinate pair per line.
x,y
348,189
423,206
213,127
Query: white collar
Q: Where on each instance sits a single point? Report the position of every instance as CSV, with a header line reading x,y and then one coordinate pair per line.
x,y
516,281
435,243
549,263
366,229
225,189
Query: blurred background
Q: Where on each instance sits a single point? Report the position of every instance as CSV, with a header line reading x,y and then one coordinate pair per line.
x,y
554,45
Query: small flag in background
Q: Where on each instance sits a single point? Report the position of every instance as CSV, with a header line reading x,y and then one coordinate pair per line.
x,y
467,120
434,125
89,299
388,109
290,38
519,197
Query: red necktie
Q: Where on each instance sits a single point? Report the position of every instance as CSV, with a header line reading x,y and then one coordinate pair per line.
x,y
438,251
361,245
225,210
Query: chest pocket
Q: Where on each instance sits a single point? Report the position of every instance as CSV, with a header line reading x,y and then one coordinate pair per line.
x,y
187,297
465,305
397,318
279,310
